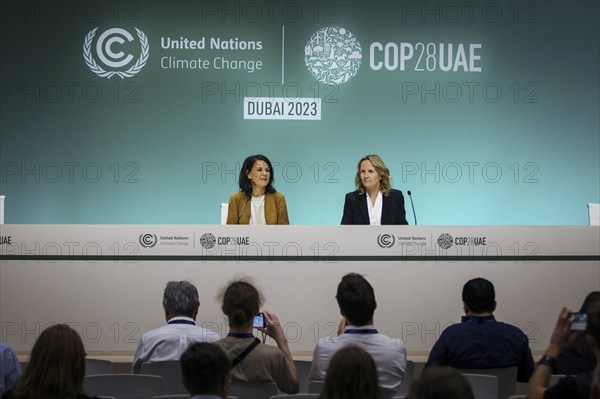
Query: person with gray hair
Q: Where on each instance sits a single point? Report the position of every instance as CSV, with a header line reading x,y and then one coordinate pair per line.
x,y
180,305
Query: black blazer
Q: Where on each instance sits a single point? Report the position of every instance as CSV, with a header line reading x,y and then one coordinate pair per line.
x,y
356,212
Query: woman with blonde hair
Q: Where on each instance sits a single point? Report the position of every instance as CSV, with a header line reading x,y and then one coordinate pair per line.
x,y
374,202
56,367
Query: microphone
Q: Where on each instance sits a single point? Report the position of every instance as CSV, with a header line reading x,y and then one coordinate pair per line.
x,y
413,206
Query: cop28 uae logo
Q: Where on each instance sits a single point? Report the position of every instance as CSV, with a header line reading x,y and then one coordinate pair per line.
x,y
333,55
109,50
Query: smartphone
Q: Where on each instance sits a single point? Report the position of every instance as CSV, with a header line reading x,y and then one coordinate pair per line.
x,y
259,321
580,322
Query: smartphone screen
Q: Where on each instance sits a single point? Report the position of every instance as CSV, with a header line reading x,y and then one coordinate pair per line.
x,y
580,322
259,321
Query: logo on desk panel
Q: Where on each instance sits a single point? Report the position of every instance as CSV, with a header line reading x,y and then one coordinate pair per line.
x,y
148,240
386,240
445,241
112,54
208,241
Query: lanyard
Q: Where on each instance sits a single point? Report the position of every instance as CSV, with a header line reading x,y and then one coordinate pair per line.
x,y
361,331
180,321
240,335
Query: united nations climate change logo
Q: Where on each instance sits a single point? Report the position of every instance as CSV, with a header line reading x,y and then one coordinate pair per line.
x,y
333,55
109,50
445,241
386,240
208,241
148,240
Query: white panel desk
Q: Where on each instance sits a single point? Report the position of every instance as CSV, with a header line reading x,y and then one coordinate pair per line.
x,y
107,280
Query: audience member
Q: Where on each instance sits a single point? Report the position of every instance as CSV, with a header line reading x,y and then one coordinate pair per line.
x,y
10,369
480,341
356,299
180,304
205,371
441,383
577,356
352,374
579,386
56,367
252,361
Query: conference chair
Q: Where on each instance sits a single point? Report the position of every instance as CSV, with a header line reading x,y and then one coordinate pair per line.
x,y
507,379
124,386
409,374
554,378
170,371
315,386
594,213
518,397
182,397
296,396
484,386
98,366
224,209
252,390
302,368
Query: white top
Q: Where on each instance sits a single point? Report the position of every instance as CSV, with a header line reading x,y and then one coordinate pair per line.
x,y
257,210
170,341
388,353
375,210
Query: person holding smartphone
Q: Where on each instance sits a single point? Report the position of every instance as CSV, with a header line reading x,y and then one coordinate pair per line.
x,y
253,361
577,356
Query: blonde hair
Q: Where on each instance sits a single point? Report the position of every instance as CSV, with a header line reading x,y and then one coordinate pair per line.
x,y
382,171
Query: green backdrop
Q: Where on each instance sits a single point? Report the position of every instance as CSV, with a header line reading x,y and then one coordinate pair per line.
x,y
517,143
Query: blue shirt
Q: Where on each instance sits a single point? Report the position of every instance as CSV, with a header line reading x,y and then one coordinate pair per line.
x,y
10,369
483,342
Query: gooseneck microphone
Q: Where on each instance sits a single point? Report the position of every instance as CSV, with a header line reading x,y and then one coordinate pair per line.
x,y
412,205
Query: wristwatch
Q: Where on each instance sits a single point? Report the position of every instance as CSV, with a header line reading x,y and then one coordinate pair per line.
x,y
548,361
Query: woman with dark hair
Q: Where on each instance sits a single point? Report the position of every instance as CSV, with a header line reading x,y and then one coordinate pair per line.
x,y
352,374
441,383
577,356
257,202
374,202
251,360
56,367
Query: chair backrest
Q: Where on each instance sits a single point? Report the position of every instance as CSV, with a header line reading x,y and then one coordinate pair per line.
x,y
507,379
183,397
484,386
98,366
124,386
224,210
554,378
594,211
409,375
302,368
518,397
296,396
315,386
252,390
170,371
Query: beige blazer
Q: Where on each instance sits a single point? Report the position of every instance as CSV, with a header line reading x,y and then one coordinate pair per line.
x,y
275,209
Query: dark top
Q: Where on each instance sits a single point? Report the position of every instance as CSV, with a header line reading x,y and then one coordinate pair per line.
x,y
483,342
570,387
392,212
572,362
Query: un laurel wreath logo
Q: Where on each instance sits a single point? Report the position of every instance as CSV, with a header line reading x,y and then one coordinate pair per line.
x,y
115,60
